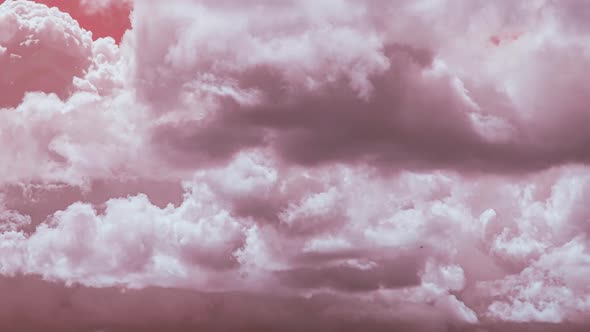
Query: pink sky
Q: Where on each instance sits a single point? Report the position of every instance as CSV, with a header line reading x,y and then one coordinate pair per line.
x,y
266,165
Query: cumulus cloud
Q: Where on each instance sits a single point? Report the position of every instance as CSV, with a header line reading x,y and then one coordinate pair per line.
x,y
296,165
42,50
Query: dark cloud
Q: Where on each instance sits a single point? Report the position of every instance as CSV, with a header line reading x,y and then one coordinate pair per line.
x,y
398,273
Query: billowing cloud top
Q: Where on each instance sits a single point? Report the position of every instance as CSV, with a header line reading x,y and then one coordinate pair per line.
x,y
329,165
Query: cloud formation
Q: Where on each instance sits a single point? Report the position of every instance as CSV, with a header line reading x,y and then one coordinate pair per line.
x,y
296,165
42,50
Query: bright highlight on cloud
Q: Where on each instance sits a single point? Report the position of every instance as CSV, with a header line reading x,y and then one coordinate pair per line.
x,y
305,165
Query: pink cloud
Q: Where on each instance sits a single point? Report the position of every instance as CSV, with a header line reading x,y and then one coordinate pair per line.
x,y
296,165
286,89
42,50
102,5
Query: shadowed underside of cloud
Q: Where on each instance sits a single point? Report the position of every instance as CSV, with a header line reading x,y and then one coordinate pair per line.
x,y
340,90
89,309
107,309
296,165
351,278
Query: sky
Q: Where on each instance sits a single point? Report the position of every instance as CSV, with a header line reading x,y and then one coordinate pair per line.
x,y
294,165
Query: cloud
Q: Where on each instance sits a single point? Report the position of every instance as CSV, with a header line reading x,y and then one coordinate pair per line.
x,y
102,5
302,165
539,293
42,50
432,221
342,87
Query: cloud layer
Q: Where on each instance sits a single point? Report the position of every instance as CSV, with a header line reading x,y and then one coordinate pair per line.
x,y
296,165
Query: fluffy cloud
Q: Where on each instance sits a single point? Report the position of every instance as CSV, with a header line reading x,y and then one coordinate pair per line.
x,y
319,165
42,50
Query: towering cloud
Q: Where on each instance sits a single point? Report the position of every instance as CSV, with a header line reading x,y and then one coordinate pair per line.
x,y
42,50
288,165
